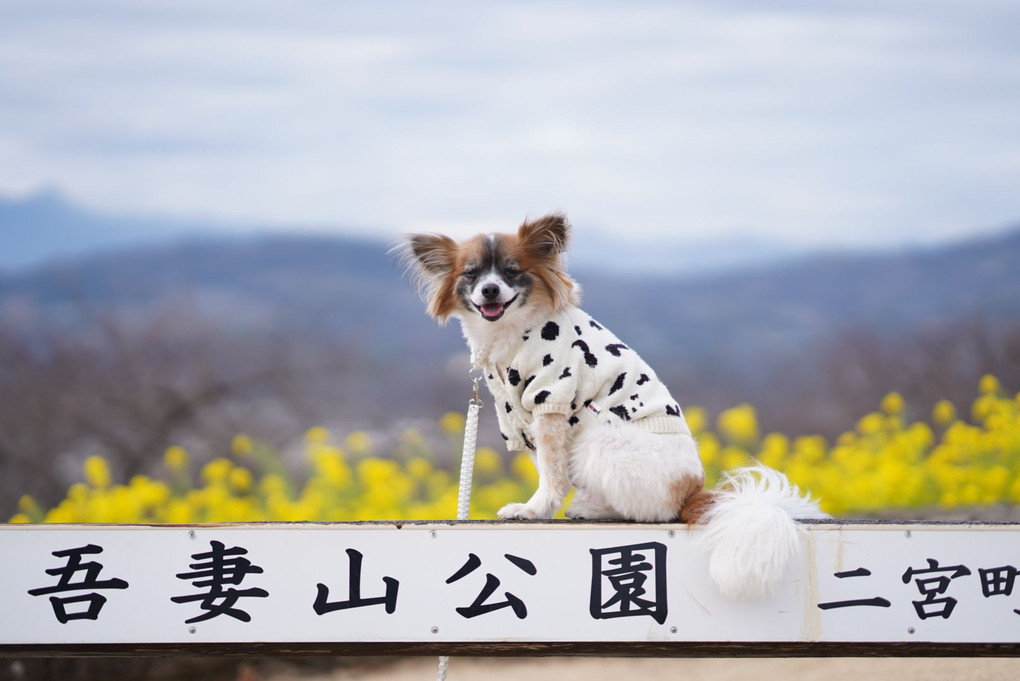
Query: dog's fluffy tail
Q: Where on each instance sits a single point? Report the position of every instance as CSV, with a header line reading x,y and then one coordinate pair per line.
x,y
751,532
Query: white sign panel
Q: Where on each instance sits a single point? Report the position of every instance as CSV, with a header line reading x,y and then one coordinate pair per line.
x,y
494,582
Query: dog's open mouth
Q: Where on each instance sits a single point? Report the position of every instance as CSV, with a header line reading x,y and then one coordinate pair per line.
x,y
493,311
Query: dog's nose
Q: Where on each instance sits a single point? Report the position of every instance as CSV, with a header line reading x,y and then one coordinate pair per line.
x,y
490,291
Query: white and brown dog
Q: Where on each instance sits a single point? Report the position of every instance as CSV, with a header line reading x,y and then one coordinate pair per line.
x,y
591,411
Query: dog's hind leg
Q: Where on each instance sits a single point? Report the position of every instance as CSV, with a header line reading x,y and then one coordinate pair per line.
x,y
641,475
589,506
551,435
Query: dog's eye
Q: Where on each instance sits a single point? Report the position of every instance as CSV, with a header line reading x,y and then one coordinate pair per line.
x,y
512,271
470,272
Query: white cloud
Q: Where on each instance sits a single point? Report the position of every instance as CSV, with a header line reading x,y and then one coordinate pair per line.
x,y
867,123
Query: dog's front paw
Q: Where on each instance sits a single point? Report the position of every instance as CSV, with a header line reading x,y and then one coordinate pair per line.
x,y
519,512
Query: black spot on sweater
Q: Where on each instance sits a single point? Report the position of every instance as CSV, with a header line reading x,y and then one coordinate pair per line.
x,y
673,410
513,376
566,373
618,383
594,324
614,349
547,360
550,331
541,396
528,382
589,359
573,421
578,330
508,408
621,411
643,379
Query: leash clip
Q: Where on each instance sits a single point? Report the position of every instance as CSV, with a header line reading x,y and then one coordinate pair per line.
x,y
475,374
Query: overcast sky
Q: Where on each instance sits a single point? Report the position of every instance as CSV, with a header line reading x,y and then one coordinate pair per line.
x,y
863,123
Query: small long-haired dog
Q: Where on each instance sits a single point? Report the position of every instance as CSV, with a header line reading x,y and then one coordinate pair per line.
x,y
592,413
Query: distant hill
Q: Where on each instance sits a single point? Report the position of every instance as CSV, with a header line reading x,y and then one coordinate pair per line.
x,y
46,226
791,304
685,257
351,289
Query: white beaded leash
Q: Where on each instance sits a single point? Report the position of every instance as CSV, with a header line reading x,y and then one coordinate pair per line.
x,y
467,467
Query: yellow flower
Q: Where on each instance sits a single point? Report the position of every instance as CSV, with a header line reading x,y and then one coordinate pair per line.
x,y
870,424
739,425
241,445
774,449
64,514
943,413
217,470
524,469
697,419
178,511
317,435
1014,491
733,458
452,423
330,467
26,504
359,442
989,385
375,471
892,404
240,479
419,467
175,457
97,472
487,461
273,484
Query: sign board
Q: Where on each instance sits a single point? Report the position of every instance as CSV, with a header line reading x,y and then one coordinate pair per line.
x,y
485,582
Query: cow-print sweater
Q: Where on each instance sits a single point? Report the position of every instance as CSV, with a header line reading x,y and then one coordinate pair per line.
x,y
566,363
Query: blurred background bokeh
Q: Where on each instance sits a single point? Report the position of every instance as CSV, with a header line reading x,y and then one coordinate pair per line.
x,y
806,219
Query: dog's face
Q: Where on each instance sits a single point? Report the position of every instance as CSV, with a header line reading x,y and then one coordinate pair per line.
x,y
494,276
491,279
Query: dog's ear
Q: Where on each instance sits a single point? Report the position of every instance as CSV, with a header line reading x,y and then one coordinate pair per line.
x,y
429,259
431,254
547,236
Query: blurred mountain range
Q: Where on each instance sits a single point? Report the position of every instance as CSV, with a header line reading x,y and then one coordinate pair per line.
x,y
46,227
342,288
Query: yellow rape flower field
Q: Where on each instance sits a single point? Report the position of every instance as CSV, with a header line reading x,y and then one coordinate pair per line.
x,y
883,464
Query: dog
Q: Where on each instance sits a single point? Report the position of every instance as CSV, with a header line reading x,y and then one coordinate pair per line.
x,y
592,413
